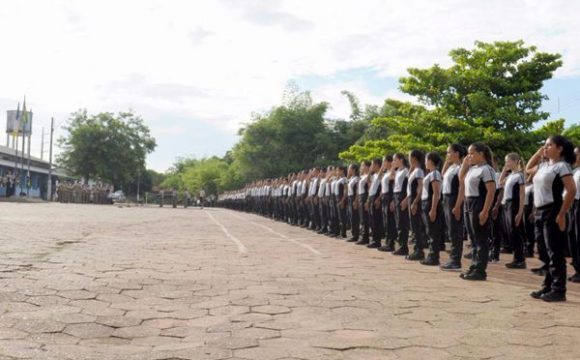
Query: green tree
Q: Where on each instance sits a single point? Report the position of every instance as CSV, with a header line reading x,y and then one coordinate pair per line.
x,y
290,137
105,146
491,94
494,85
573,134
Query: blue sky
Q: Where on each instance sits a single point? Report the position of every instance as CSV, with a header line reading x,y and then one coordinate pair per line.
x,y
196,70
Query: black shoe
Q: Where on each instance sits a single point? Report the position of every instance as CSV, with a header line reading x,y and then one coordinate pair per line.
x,y
516,265
430,262
385,248
538,294
553,296
374,245
451,266
468,256
474,276
506,251
574,278
416,256
362,242
352,240
401,252
323,231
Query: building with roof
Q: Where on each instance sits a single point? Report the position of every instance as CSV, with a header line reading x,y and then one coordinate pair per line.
x,y
11,185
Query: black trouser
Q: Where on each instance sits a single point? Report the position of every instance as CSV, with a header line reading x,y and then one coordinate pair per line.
x,y
376,220
514,233
333,215
478,234
364,216
354,218
389,223
323,213
529,228
315,213
342,219
435,229
402,221
555,243
497,236
418,229
575,236
454,228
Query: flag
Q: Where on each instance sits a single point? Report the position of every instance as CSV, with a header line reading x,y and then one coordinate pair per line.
x,y
24,116
16,124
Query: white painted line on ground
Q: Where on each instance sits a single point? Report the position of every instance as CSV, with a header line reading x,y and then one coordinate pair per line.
x,y
267,228
241,248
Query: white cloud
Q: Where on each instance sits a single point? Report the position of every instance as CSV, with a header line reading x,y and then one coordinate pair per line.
x,y
217,61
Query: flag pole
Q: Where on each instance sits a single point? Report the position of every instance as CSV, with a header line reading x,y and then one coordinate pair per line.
x,y
49,187
28,177
23,123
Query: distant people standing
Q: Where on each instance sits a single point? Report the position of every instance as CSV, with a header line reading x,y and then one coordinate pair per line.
x,y
201,197
186,198
174,198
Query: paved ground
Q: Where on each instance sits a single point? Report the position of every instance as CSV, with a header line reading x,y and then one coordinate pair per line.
x,y
97,282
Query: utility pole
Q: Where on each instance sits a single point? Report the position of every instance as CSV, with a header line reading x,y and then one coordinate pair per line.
x,y
28,177
42,145
49,187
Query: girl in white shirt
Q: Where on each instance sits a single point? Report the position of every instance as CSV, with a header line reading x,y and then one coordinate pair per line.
x,y
414,190
513,201
478,182
452,209
575,238
553,176
399,204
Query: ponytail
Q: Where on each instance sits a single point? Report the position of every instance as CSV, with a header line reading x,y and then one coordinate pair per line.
x,y
458,148
567,153
419,156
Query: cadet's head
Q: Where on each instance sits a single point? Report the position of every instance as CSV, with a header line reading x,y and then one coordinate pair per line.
x,y
341,170
417,158
400,161
376,165
456,152
353,170
479,153
559,148
387,161
433,161
514,162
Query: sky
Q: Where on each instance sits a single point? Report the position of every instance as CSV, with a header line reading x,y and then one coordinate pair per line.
x,y
195,71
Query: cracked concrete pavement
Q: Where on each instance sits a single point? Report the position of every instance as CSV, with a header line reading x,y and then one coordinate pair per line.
x,y
107,282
